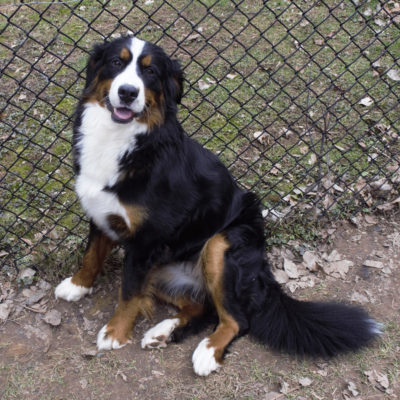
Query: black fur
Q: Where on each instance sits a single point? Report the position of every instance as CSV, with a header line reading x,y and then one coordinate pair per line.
x,y
190,196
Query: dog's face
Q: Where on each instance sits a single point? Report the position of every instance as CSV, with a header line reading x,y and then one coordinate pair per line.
x,y
133,80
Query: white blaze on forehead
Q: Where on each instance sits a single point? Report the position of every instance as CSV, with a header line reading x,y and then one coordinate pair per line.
x,y
129,76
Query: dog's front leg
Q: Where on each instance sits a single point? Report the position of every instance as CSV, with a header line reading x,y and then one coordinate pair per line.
x,y
135,295
118,331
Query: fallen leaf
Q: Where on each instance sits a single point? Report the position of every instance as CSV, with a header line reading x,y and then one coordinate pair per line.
x,y
261,136
313,159
4,311
394,74
305,381
284,387
231,76
203,85
193,36
352,388
83,382
271,396
375,378
359,298
366,101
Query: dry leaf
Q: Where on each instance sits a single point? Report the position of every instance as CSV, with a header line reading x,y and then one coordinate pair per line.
x,y
366,101
193,36
394,74
284,387
203,85
305,381
231,76
313,159
261,136
359,298
352,388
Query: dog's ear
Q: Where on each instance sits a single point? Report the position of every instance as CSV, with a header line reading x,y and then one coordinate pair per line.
x,y
96,55
174,81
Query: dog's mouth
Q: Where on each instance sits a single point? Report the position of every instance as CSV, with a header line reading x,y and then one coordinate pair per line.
x,y
122,115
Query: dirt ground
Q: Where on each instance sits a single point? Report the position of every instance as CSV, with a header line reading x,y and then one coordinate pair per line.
x,y
39,360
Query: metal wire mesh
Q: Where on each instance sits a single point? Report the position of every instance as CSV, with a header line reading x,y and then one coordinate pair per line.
x,y
299,99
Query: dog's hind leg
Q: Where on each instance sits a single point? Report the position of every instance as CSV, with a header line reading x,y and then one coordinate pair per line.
x,y
80,284
209,353
160,334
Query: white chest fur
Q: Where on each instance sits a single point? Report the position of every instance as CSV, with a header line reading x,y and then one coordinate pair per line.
x,y
101,145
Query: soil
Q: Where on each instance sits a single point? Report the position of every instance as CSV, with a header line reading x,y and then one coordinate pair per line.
x,y
41,361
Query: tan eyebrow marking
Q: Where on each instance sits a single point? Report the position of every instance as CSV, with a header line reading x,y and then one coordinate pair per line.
x,y
146,60
125,54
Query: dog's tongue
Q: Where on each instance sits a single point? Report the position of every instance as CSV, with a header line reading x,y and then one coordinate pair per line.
x,y
123,113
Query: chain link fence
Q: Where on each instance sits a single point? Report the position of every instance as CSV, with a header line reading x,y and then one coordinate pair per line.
x,y
299,99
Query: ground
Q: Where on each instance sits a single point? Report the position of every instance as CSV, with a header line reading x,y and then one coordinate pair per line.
x,y
42,361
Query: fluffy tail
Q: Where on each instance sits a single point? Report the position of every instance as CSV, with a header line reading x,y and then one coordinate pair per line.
x,y
311,328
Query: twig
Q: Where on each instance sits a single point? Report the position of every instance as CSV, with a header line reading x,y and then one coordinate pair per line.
x,y
36,311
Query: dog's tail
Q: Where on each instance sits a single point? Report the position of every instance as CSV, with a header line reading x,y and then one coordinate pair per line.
x,y
310,328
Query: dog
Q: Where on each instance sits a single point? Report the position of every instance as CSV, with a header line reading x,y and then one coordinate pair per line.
x,y
191,236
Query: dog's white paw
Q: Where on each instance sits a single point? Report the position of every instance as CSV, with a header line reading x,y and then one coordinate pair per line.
x,y
107,342
69,291
158,336
203,359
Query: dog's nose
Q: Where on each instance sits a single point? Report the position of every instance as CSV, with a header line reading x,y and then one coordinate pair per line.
x,y
128,93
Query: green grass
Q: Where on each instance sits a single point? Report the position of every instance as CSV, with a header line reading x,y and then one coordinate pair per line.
x,y
288,74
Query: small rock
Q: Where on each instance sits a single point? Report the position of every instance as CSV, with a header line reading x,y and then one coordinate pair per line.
x,y
26,276
291,269
281,276
310,261
35,297
337,269
373,264
27,292
89,353
44,285
52,317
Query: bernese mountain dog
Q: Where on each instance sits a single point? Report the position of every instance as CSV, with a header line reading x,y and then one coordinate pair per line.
x,y
191,236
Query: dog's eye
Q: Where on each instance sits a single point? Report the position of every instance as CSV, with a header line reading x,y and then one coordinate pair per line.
x,y
116,62
149,71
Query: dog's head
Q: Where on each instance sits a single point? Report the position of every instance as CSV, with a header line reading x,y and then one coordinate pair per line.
x,y
134,80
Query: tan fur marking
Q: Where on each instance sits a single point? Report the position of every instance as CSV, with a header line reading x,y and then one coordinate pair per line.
x,y
125,54
146,61
97,91
93,260
188,308
213,264
120,325
154,111
136,215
